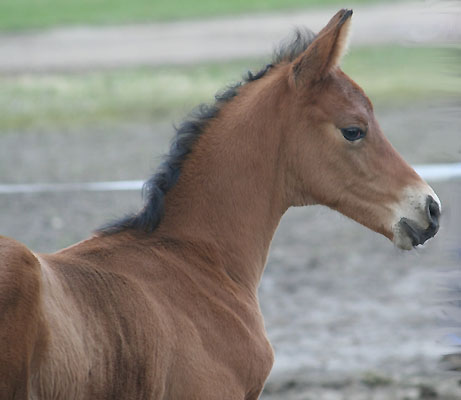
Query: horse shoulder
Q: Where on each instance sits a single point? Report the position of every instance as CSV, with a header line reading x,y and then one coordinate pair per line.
x,y
104,330
65,365
22,336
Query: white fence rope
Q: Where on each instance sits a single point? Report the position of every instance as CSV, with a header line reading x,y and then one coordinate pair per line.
x,y
71,187
438,172
429,172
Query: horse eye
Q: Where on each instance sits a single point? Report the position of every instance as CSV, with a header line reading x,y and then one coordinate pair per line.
x,y
352,134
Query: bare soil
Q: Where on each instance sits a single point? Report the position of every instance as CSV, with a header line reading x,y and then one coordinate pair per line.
x,y
349,316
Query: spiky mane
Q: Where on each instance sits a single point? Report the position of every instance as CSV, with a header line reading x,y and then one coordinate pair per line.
x,y
187,134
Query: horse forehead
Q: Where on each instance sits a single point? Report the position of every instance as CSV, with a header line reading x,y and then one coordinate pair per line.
x,y
349,91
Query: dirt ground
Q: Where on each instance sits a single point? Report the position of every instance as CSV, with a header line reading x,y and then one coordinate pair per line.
x,y
349,316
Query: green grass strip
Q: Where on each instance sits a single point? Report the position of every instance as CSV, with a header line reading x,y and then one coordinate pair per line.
x,y
389,75
33,14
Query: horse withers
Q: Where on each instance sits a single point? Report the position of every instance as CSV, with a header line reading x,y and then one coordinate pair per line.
x,y
163,304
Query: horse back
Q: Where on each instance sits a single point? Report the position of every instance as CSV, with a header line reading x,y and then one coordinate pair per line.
x,y
106,317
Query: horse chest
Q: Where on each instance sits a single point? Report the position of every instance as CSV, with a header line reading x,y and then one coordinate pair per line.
x,y
235,370
219,347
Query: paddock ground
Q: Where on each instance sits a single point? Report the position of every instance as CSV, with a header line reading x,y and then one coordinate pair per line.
x,y
349,316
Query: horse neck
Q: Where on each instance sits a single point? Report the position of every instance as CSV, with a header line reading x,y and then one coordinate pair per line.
x,y
229,196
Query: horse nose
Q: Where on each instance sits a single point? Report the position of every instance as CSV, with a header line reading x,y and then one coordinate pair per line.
x,y
433,213
416,233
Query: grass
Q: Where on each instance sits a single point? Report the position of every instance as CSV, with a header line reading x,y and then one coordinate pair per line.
x,y
392,74
133,94
389,75
33,14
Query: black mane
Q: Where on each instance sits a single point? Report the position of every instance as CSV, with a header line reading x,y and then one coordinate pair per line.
x,y
187,133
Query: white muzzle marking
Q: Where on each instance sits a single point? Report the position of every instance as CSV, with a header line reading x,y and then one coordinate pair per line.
x,y
416,216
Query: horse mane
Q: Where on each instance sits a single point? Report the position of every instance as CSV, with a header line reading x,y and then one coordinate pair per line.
x,y
167,174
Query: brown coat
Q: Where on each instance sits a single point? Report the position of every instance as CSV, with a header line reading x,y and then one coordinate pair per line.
x,y
169,310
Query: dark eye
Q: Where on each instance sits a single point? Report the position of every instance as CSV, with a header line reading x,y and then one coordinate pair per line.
x,y
353,133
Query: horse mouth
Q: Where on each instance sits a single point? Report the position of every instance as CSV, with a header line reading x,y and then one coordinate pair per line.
x,y
415,233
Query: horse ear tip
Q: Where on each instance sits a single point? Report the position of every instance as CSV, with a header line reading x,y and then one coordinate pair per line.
x,y
344,15
347,13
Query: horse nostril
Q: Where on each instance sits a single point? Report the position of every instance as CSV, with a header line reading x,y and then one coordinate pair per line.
x,y
433,210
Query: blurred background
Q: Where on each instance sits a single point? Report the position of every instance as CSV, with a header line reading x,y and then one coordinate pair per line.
x,y
89,92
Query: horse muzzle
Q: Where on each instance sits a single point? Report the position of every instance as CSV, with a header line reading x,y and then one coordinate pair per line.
x,y
419,224
417,234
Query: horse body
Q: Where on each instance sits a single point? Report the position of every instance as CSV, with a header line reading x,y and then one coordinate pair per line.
x,y
163,304
199,333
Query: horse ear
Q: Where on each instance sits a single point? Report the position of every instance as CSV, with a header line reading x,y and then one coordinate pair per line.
x,y
325,52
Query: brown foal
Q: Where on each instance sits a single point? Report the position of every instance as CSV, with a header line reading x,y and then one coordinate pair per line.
x,y
163,304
